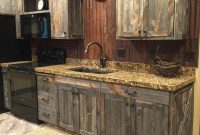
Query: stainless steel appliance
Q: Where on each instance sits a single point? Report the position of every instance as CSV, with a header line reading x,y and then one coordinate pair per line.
x,y
12,49
35,25
24,85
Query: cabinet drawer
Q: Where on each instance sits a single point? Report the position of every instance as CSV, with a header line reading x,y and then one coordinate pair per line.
x,y
155,96
149,95
47,87
48,115
78,83
47,99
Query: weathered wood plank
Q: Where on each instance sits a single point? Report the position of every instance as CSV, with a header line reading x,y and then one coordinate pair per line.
x,y
66,19
154,96
88,112
181,112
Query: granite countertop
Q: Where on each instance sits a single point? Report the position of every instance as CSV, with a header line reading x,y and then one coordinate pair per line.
x,y
131,78
7,64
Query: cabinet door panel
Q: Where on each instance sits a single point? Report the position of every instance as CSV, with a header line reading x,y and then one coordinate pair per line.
x,y
69,109
151,119
116,115
129,18
88,112
160,18
5,7
76,24
59,18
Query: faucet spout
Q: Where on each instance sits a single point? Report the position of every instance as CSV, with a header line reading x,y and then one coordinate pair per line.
x,y
102,58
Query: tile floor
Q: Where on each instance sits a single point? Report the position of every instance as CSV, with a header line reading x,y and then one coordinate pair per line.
x,y
11,125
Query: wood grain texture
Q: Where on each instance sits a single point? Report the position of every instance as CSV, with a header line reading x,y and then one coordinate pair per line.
x,y
68,106
6,88
66,19
100,25
96,111
181,112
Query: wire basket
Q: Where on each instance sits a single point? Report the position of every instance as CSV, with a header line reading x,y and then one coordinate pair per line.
x,y
167,69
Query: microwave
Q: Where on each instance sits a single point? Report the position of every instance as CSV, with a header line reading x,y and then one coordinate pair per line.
x,y
35,25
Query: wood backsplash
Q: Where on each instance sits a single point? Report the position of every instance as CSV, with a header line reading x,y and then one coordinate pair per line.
x,y
99,25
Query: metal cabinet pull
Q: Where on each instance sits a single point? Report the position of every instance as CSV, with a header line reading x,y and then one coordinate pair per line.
x,y
44,99
47,115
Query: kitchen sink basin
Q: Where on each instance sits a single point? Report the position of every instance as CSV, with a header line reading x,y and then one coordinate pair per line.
x,y
91,70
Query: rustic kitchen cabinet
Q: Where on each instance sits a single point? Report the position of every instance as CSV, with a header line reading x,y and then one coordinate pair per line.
x,y
126,116
68,108
6,86
66,19
152,19
47,99
5,7
77,107
98,108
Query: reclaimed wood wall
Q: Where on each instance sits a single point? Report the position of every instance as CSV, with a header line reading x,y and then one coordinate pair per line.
x,y
100,26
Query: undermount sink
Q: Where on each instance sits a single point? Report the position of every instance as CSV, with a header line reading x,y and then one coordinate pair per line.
x,y
91,70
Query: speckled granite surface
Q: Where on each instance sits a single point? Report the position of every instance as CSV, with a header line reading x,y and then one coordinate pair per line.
x,y
12,63
133,74
137,79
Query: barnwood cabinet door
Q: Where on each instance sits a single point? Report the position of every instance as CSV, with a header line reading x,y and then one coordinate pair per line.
x,y
117,118
66,19
151,118
181,112
88,112
5,7
68,108
129,18
152,19
159,18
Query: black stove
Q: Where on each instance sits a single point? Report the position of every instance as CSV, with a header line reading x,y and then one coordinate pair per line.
x,y
24,86
46,57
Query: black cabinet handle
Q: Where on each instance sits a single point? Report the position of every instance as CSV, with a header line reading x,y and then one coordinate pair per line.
x,y
139,31
127,104
134,92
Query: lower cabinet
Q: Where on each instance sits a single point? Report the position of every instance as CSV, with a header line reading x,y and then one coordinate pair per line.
x,y
47,99
126,116
78,109
97,108
68,108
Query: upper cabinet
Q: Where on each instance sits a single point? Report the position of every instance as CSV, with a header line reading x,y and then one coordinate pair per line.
x,y
152,19
5,7
66,19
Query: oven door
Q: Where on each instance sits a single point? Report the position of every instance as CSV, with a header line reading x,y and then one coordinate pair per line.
x,y
23,88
